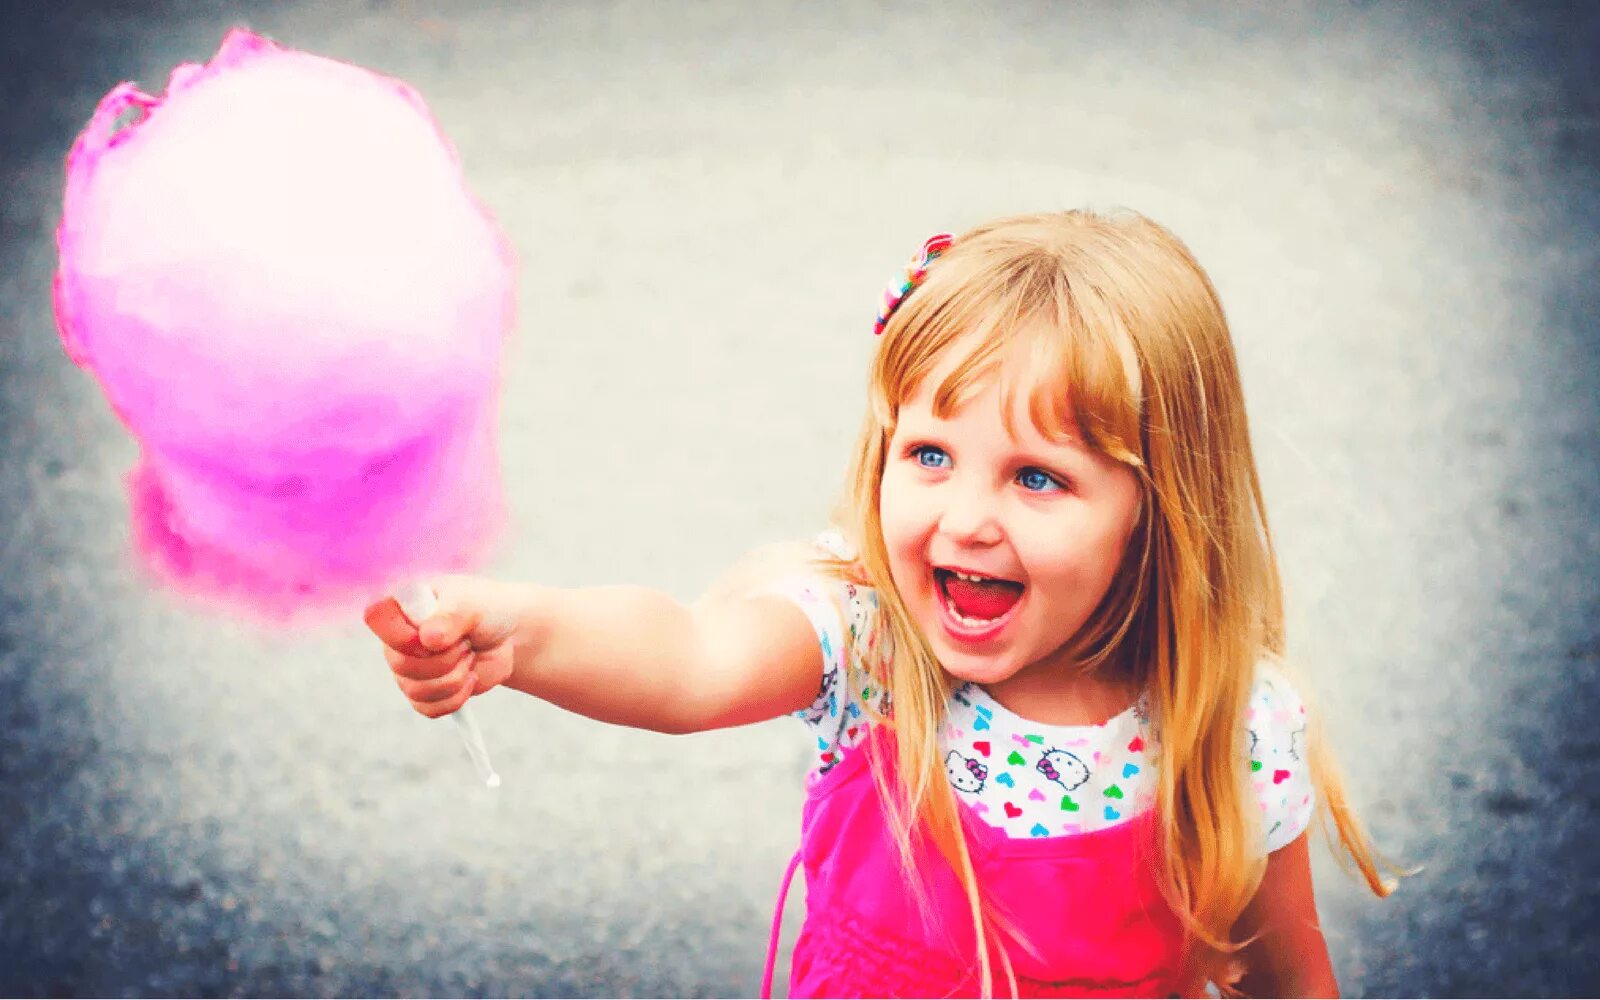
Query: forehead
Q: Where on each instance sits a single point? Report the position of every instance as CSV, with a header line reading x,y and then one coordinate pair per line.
x,y
1015,382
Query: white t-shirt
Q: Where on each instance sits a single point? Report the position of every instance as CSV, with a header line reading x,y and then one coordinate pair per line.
x,y
1023,777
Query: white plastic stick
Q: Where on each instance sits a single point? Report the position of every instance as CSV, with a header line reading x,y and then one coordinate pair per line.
x,y
418,603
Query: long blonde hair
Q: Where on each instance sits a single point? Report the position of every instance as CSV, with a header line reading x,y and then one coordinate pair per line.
x,y
1117,337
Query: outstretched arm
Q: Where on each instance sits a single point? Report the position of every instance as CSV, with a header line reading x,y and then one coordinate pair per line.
x,y
626,655
639,658
1290,956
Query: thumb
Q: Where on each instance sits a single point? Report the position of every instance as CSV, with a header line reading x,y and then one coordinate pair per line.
x,y
445,628
436,611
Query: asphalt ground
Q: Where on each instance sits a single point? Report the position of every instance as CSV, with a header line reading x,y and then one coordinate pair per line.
x,y
1398,204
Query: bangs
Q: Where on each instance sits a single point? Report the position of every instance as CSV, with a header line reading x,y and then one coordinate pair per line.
x,y
1026,329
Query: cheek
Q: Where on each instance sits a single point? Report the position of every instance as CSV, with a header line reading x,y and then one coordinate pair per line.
x,y
1069,558
905,532
903,517
1054,573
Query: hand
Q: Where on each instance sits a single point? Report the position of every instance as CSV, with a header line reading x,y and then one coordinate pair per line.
x,y
464,648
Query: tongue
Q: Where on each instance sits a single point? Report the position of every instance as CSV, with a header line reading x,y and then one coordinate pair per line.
x,y
981,600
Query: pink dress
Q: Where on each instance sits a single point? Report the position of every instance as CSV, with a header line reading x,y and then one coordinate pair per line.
x,y
1090,905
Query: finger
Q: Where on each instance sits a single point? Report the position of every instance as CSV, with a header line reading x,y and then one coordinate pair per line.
x,y
390,625
438,688
438,709
428,666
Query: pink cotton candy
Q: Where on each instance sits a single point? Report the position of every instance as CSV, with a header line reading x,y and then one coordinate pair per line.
x,y
279,278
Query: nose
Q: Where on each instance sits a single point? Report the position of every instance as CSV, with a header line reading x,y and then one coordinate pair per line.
x,y
969,517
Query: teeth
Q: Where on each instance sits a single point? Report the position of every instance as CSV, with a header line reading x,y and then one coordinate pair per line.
x,y
966,576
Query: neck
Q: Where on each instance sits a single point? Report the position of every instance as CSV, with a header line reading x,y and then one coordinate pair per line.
x,y
1064,696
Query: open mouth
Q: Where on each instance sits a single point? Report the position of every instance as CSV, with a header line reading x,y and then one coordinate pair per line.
x,y
977,603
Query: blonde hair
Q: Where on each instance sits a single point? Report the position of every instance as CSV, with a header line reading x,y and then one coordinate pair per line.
x,y
1117,337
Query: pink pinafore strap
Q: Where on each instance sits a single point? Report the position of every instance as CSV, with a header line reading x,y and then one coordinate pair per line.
x,y
777,926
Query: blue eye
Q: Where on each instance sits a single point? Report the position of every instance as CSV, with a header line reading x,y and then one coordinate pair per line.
x,y
1038,481
922,452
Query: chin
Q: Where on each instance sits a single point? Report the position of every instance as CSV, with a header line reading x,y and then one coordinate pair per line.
x,y
967,664
977,670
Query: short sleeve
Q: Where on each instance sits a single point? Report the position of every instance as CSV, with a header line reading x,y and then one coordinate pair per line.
x,y
846,620
1280,775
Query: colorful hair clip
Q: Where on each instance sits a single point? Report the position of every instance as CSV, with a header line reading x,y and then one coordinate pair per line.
x,y
918,270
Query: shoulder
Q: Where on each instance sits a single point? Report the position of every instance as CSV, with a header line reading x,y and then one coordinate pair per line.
x,y
845,617
1276,712
1280,773
844,613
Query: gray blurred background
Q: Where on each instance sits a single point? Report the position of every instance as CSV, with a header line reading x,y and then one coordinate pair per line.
x,y
1398,203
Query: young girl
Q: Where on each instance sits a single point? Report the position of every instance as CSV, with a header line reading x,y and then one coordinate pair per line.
x,y
1054,755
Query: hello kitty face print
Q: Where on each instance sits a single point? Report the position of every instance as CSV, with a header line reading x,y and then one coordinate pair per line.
x,y
1064,768
966,774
